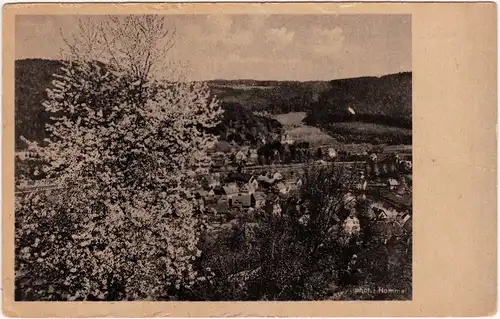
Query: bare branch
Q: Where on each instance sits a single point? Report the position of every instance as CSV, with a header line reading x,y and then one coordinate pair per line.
x,y
137,44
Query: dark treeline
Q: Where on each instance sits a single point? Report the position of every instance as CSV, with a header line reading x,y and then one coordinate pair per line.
x,y
284,97
240,125
387,96
350,135
320,118
385,100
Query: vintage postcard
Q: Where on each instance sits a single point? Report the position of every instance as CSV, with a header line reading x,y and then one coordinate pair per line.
x,y
249,159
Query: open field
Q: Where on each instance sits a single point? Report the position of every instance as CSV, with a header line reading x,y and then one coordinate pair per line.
x,y
300,132
291,119
342,134
312,135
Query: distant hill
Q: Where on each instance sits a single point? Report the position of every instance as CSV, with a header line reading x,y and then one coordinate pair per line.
x,y
34,76
382,106
382,100
270,96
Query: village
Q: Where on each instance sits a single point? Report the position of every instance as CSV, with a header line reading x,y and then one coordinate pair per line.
x,y
239,184
245,179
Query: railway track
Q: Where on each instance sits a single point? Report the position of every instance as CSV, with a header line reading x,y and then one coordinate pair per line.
x,y
257,168
249,169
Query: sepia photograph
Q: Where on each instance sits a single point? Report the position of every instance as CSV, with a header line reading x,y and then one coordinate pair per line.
x,y
213,157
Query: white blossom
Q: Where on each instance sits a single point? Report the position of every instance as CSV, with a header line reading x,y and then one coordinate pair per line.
x,y
125,150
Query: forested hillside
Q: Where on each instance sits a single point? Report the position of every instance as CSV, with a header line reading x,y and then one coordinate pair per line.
x,y
32,78
384,101
242,126
270,96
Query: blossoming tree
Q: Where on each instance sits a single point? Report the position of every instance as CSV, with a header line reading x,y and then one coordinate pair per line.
x,y
127,147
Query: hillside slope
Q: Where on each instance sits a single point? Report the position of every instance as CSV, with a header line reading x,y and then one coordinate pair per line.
x,y
385,100
32,78
242,126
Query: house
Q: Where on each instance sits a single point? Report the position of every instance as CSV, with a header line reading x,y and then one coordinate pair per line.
x,y
211,182
253,157
380,213
252,185
25,155
259,199
201,193
332,153
286,139
299,183
244,188
282,188
240,156
265,181
392,183
222,204
238,177
218,203
21,155
217,190
230,189
241,201
277,176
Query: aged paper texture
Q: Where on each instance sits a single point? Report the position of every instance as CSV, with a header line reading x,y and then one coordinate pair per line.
x,y
251,159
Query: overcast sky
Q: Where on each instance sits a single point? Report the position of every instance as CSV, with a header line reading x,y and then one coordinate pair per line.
x,y
264,47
